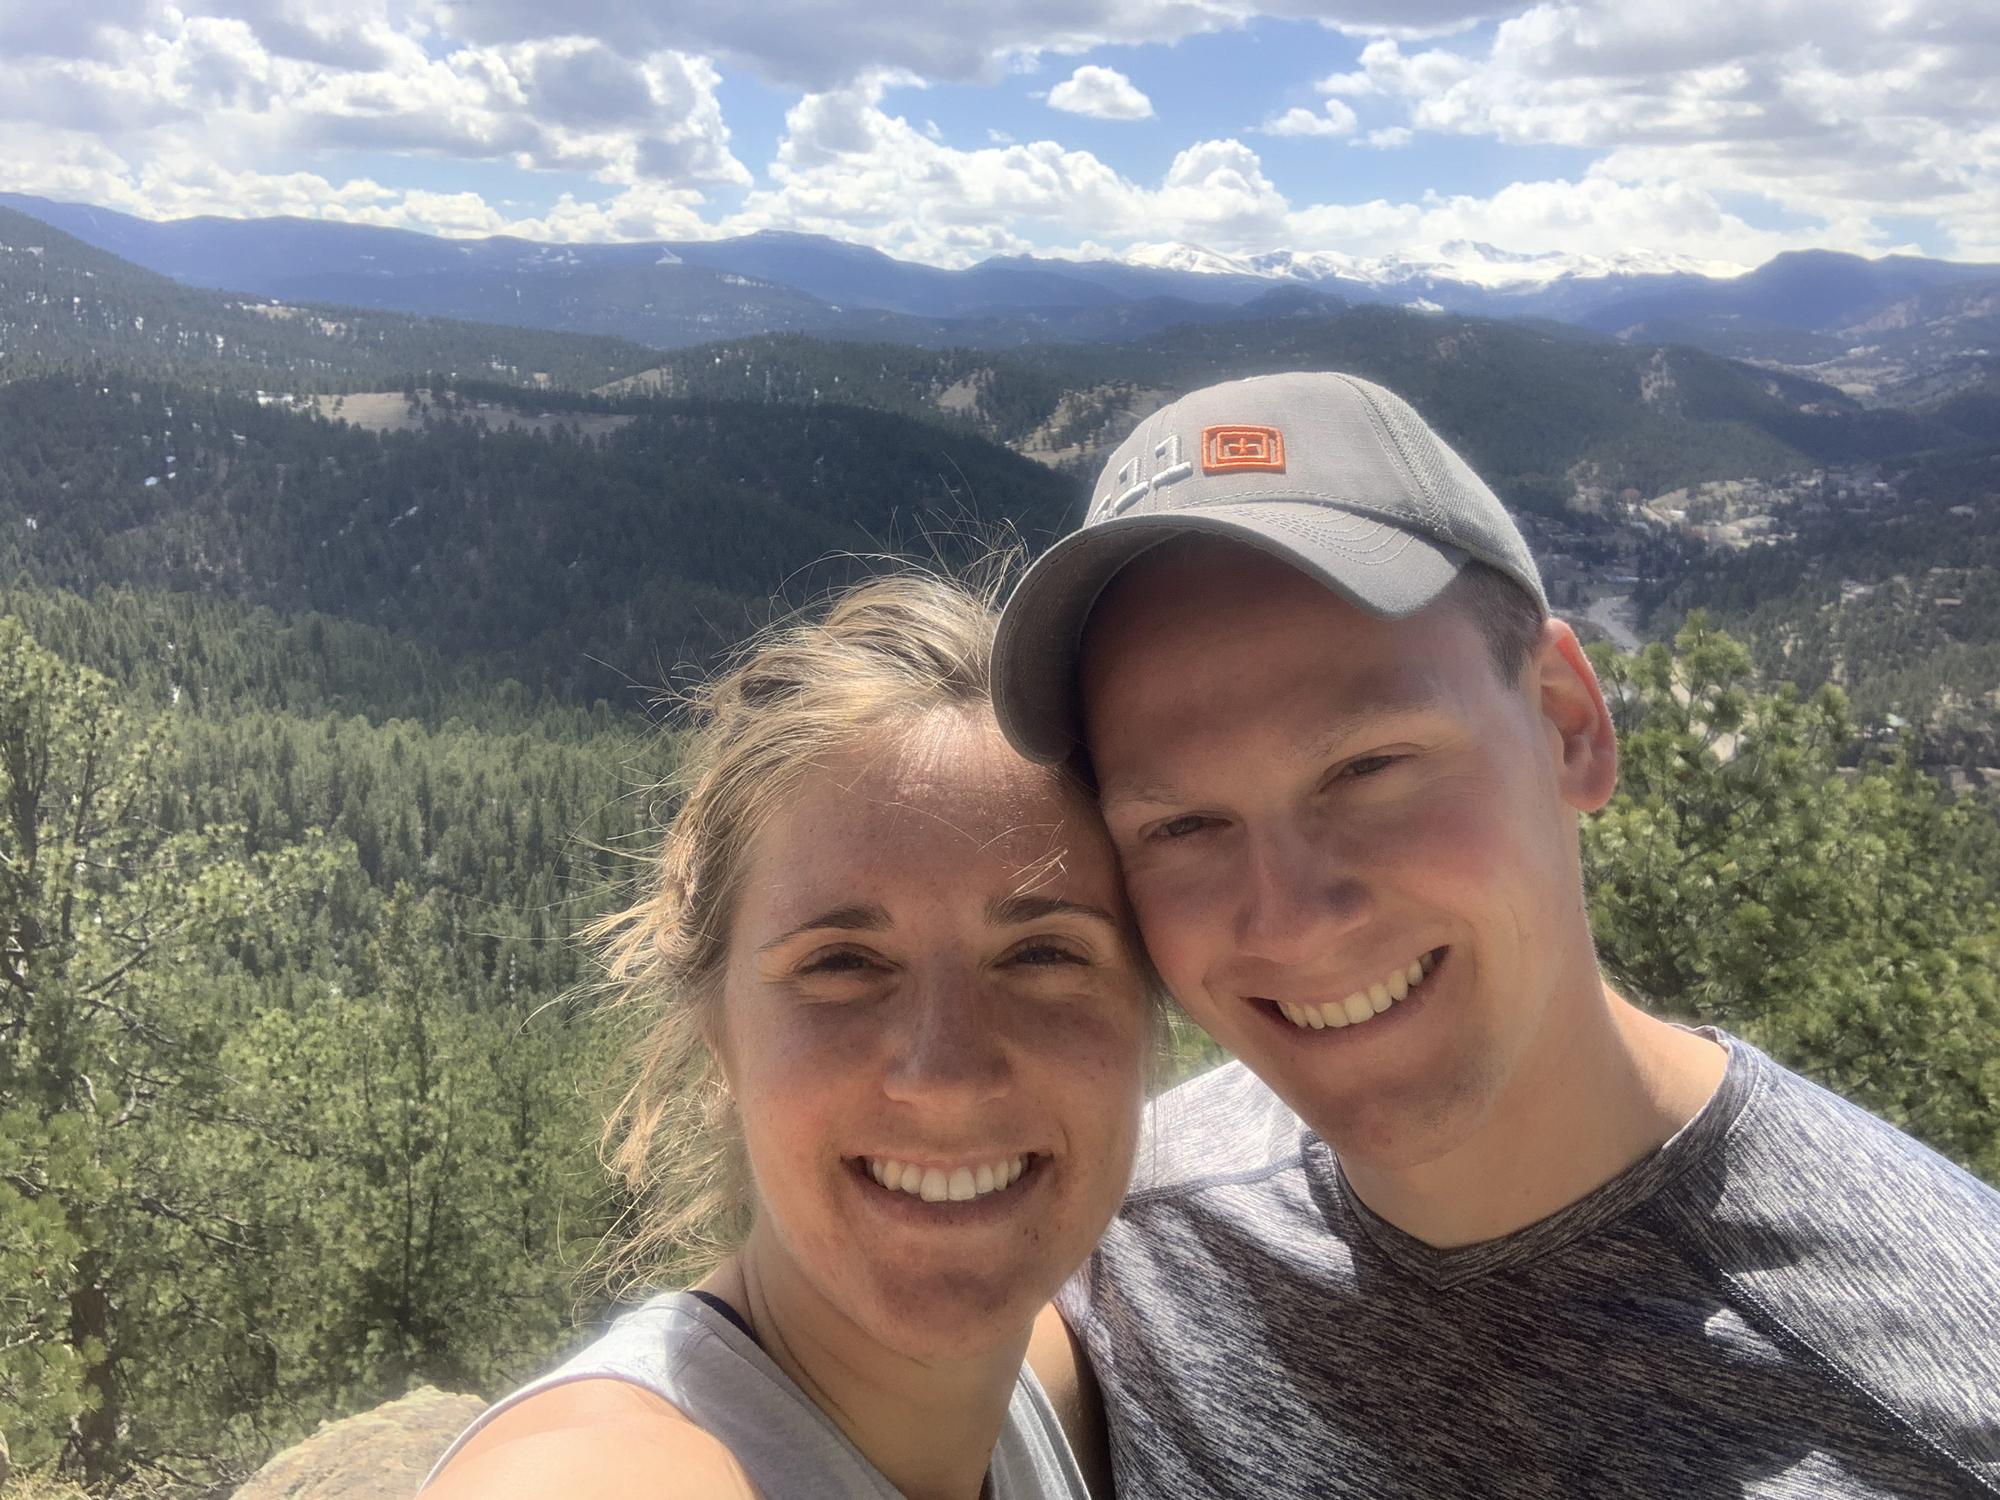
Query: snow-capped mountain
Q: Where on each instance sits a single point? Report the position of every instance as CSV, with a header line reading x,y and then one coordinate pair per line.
x,y
689,292
1467,262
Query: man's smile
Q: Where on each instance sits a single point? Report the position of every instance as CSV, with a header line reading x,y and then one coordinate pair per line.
x,y
1361,1005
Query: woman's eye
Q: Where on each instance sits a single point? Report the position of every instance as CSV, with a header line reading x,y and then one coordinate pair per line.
x,y
838,962
1043,954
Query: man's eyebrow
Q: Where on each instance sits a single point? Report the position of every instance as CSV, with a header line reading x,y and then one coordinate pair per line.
x,y
1134,793
1012,911
1345,727
851,918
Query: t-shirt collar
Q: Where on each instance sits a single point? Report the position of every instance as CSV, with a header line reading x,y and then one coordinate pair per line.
x,y
1636,1185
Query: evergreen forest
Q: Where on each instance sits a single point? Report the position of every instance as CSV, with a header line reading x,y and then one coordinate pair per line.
x,y
320,743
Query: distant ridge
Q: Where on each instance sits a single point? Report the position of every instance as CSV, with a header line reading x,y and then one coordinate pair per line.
x,y
673,294
1898,331
69,306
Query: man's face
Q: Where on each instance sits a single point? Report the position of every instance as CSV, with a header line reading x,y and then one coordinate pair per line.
x,y
1350,845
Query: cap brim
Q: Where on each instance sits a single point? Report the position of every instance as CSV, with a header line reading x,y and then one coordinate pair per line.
x,y
1380,567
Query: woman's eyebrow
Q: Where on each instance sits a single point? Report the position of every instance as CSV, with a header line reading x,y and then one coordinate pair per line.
x,y
853,918
1012,911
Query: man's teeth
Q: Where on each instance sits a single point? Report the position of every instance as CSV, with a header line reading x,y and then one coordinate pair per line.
x,y
936,1185
1362,1005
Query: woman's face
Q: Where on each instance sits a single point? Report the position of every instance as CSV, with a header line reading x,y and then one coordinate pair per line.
x,y
933,1022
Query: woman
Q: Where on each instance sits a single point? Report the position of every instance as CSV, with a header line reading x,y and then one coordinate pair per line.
x,y
891,963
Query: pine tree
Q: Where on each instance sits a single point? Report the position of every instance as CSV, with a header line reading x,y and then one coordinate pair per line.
x,y
108,927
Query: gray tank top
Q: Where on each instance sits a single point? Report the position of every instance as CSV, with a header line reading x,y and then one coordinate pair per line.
x,y
692,1356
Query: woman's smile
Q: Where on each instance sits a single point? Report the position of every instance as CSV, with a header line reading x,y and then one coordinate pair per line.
x,y
993,1195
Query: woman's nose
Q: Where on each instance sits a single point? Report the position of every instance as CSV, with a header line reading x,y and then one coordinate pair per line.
x,y
952,1050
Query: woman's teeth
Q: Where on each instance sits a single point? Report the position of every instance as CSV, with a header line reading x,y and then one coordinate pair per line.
x,y
1362,1005
937,1185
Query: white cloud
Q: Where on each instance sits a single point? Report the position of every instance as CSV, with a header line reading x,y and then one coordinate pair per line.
x,y
1696,124
643,212
1349,85
1864,113
1337,118
848,167
1101,93
1216,193
820,45
1596,215
173,185
215,114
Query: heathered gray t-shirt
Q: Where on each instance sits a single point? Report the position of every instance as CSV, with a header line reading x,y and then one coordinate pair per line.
x,y
685,1351
1788,1299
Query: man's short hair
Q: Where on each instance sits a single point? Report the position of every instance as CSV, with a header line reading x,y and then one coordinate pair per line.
x,y
1509,620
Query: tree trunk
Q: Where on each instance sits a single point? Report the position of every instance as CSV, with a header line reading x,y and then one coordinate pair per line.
x,y
95,1434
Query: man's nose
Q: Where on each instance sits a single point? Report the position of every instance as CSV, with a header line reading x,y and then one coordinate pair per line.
x,y
952,1049
1302,893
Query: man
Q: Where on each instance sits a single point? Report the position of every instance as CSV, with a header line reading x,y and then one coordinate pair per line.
x,y
1461,1220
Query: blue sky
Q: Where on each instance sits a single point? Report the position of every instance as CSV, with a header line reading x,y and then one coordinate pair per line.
x,y
1217,86
1711,130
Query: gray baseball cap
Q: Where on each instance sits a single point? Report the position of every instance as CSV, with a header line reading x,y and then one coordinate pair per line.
x,y
1335,475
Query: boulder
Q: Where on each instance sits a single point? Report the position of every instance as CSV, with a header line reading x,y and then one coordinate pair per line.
x,y
375,1455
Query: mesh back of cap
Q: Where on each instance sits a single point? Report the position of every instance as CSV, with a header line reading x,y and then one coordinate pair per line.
x,y
1458,501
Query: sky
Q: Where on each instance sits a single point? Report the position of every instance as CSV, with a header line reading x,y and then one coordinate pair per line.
x,y
1721,130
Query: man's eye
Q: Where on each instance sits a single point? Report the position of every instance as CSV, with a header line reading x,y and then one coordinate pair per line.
x,y
1178,828
1368,765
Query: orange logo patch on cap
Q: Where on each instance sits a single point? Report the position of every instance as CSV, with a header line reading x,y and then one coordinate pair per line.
x,y
1224,449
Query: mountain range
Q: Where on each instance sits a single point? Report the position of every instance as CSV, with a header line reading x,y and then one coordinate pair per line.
x,y
1556,413
1896,329
527,488
68,305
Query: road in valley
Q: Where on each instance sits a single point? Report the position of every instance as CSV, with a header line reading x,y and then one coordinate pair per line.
x,y
1612,614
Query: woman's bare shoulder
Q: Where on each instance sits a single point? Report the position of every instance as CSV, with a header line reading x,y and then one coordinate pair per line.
x,y
1056,1356
592,1440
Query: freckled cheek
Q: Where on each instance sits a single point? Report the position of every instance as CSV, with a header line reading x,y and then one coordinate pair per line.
x,y
1103,1037
1090,1056
795,1074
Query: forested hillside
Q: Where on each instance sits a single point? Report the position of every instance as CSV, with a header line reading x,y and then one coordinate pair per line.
x,y
1539,411
573,563
289,1115
1898,601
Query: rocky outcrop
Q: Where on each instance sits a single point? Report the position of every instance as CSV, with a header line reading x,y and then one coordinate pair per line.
x,y
375,1455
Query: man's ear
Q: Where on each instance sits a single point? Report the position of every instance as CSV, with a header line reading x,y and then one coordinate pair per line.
x,y
1578,723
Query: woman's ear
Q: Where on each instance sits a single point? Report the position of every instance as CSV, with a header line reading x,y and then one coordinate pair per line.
x,y
1579,725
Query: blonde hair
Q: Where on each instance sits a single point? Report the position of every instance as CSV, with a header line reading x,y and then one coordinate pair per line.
x,y
885,654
